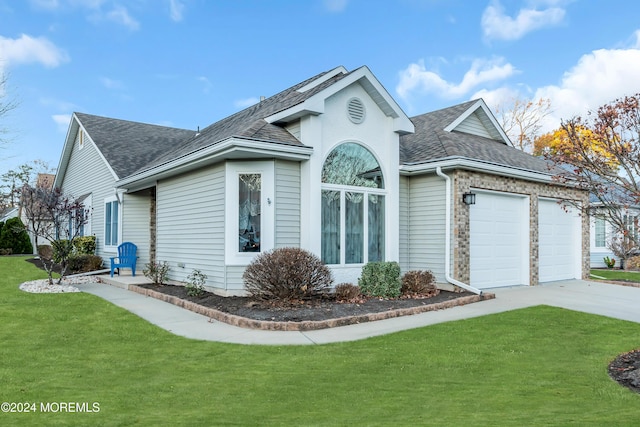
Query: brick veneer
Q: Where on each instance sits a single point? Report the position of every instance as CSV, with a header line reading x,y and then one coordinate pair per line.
x,y
464,181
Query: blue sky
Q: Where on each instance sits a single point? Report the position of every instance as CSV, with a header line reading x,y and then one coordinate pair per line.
x,y
189,63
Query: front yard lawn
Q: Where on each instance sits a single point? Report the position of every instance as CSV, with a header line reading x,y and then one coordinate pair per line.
x,y
537,366
614,274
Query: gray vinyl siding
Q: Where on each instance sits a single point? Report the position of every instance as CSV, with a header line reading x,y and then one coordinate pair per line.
x,y
235,285
135,224
473,125
87,173
426,225
294,129
404,223
190,224
287,200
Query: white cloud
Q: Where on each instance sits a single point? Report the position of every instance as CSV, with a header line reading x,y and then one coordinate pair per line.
x,y
27,49
335,5
497,25
206,84
597,78
62,121
120,15
247,102
111,83
417,79
176,8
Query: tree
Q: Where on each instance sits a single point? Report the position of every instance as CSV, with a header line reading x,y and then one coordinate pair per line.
x,y
56,217
11,182
557,142
522,120
601,154
6,105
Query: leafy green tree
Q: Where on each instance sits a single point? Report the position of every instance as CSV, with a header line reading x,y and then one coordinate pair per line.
x,y
14,236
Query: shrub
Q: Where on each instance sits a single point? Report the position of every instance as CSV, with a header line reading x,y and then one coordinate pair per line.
x,y
62,249
380,279
45,251
633,263
84,263
286,274
6,251
84,245
419,282
14,236
346,292
156,272
195,283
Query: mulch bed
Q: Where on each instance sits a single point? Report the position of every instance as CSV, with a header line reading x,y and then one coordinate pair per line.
x,y
303,315
625,369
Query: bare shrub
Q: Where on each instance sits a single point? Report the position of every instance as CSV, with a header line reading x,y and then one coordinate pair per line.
x,y
286,274
347,292
419,282
633,263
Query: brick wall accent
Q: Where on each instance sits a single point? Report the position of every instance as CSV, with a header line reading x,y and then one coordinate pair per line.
x,y
464,181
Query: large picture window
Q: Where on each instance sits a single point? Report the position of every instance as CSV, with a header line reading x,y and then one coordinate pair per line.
x,y
353,206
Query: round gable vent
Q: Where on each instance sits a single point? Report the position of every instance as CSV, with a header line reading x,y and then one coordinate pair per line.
x,y
355,109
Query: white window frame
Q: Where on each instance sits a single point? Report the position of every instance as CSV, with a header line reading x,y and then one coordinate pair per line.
x,y
603,222
111,248
267,209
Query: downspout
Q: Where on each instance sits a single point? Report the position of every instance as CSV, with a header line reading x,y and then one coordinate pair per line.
x,y
447,238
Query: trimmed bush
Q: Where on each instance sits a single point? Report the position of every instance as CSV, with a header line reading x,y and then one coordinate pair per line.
x,y
286,274
7,251
62,250
347,292
632,263
84,263
419,282
14,236
84,245
45,251
380,279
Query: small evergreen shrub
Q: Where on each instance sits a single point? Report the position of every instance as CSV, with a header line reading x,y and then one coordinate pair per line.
x,y
419,282
346,292
286,274
84,245
157,272
62,249
14,236
84,263
195,283
380,279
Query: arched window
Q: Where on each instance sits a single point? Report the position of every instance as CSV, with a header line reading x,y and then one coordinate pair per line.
x,y
353,208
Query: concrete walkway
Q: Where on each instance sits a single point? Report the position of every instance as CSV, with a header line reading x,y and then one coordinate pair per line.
x,y
615,301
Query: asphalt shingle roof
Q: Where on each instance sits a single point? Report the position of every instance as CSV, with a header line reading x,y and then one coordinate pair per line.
x,y
431,142
130,146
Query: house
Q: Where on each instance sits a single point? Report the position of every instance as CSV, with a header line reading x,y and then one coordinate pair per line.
x,y
8,213
605,235
332,165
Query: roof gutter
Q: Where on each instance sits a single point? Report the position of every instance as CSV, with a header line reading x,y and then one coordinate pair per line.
x,y
447,238
477,165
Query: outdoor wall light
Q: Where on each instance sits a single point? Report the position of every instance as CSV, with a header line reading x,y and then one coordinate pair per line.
x,y
469,198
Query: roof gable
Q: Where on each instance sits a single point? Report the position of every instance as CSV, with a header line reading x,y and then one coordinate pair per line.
x,y
478,120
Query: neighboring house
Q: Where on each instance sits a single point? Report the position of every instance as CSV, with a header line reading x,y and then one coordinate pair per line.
x,y
332,165
603,234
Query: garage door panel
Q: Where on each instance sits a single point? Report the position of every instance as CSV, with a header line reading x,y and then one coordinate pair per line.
x,y
559,241
498,240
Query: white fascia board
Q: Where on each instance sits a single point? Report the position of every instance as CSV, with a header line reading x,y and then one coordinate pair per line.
x,y
315,104
475,165
329,75
231,148
66,151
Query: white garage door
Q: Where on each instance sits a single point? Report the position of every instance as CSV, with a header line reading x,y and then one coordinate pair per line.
x,y
559,239
499,240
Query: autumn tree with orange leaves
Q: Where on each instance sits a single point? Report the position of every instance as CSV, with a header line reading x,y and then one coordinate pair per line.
x,y
601,154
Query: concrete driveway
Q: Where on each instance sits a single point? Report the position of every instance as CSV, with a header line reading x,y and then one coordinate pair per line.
x,y
615,301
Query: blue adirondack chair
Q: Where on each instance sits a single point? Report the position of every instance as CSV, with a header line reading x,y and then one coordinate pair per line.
x,y
127,257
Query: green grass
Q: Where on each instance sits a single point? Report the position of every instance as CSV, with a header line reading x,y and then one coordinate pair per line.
x,y
632,276
537,366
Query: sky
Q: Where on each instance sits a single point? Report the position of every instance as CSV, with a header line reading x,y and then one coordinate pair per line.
x,y
190,63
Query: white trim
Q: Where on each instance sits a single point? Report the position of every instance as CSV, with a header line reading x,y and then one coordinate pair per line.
x,y
267,209
328,75
476,165
230,148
